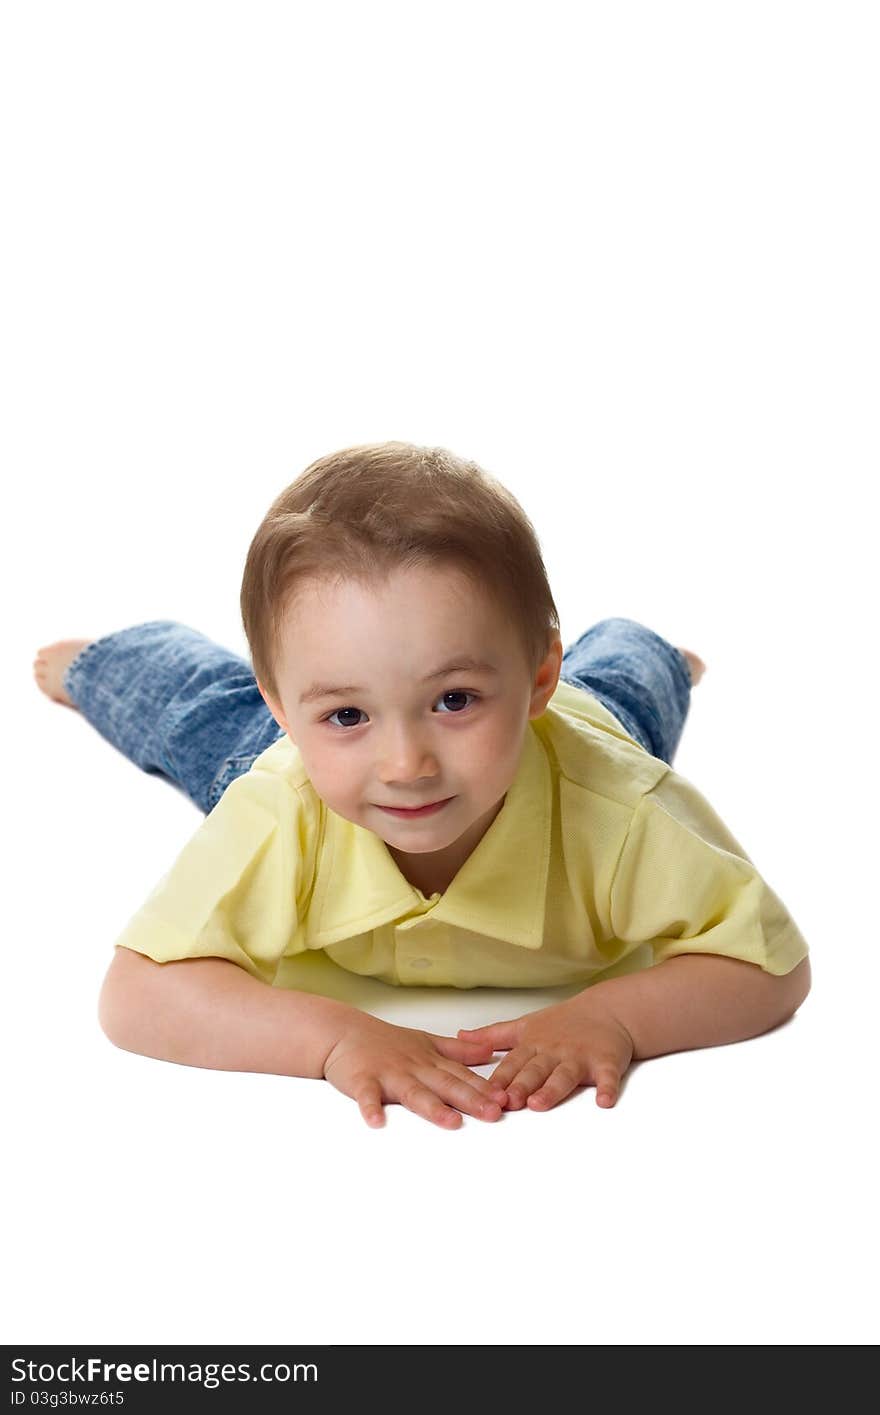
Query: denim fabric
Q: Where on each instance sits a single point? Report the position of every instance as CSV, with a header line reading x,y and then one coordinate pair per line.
x,y
176,704
182,707
641,678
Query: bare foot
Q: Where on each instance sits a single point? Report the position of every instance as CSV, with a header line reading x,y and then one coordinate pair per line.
x,y
695,664
50,665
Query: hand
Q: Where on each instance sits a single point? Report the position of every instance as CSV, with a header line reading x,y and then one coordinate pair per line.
x,y
374,1061
552,1051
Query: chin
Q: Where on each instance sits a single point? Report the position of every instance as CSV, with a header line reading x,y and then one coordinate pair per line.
x,y
416,840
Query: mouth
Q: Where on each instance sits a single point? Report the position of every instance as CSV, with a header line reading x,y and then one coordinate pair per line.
x,y
405,814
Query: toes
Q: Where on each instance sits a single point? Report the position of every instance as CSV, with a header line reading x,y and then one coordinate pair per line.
x,y
696,666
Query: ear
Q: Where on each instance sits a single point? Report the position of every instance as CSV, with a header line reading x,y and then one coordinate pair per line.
x,y
546,679
275,708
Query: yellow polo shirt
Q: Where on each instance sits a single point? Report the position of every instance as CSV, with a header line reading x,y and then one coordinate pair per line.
x,y
602,858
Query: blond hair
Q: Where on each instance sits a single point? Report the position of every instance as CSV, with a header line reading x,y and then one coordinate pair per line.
x,y
370,509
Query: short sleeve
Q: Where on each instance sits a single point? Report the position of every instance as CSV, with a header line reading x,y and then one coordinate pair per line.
x,y
235,891
684,885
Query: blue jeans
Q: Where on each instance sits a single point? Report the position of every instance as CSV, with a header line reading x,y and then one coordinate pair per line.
x,y
180,706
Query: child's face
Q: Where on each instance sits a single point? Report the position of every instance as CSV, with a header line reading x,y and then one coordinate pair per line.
x,y
394,739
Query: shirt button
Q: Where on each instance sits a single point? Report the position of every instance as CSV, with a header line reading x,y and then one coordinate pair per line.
x,y
421,963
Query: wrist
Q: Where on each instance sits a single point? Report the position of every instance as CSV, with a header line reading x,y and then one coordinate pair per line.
x,y
318,1025
697,1000
597,1001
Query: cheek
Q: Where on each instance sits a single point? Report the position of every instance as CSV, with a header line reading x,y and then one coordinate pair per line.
x,y
496,749
333,770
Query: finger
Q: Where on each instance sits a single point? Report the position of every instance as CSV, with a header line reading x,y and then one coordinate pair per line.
x,y
459,1050
478,1100
500,1034
463,1053
607,1085
559,1084
423,1101
528,1079
488,1089
369,1098
512,1064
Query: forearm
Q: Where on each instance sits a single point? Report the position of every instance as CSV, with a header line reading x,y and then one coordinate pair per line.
x,y
699,1000
211,1013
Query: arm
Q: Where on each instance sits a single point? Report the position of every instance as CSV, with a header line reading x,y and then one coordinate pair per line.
x,y
210,1012
690,1000
698,1000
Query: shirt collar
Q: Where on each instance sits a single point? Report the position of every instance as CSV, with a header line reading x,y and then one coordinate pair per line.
x,y
499,891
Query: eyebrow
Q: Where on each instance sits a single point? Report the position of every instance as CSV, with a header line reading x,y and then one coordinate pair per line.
x,y
466,664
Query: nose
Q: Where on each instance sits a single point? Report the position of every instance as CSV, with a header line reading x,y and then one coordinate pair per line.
x,y
404,759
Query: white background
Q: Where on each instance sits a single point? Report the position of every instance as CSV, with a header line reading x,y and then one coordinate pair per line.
x,y
626,257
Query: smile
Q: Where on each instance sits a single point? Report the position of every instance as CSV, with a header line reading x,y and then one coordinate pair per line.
x,y
419,811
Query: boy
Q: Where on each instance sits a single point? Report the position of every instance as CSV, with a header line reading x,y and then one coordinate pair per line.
x,y
406,779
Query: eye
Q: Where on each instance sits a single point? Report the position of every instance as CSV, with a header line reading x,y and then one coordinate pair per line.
x,y
454,693
341,724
